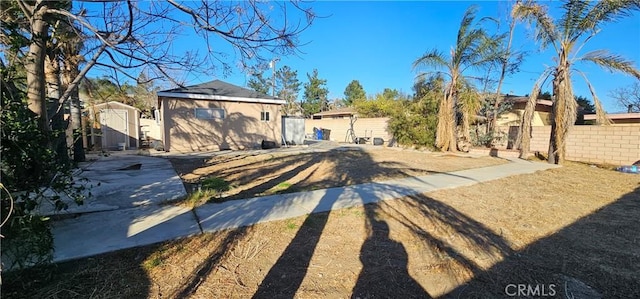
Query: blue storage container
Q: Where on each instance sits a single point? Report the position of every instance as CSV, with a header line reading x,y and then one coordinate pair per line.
x,y
318,133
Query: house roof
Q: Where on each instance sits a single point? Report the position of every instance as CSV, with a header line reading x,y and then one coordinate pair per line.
x,y
517,99
614,116
219,91
340,111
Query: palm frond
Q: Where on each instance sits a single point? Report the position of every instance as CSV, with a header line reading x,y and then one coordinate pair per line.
x,y
465,26
523,139
433,58
532,12
574,14
601,115
608,11
425,75
469,98
478,49
612,62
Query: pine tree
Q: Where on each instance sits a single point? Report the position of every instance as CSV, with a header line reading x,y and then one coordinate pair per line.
x,y
353,92
260,84
315,94
287,88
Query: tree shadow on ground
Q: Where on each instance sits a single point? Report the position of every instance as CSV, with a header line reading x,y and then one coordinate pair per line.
x,y
384,263
444,218
190,285
575,251
597,256
285,277
264,177
389,265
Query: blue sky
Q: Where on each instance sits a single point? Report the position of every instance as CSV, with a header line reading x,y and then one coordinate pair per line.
x,y
376,43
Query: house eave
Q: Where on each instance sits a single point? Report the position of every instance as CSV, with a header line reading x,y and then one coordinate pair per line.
x,y
194,96
614,116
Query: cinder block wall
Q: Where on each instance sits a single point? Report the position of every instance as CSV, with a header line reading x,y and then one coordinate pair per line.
x,y
375,127
609,144
619,145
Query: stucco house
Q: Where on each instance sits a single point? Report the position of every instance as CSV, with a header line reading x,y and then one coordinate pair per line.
x,y
514,115
217,116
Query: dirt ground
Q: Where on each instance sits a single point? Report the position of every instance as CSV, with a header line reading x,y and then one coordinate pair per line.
x,y
251,174
571,230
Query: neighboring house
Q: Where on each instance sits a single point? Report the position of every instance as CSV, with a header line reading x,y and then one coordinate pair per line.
x,y
217,116
513,116
340,113
617,118
119,125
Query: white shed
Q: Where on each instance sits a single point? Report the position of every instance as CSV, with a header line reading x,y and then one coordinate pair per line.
x,y
119,125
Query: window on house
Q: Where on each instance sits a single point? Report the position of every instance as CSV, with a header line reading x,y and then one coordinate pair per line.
x,y
209,113
264,115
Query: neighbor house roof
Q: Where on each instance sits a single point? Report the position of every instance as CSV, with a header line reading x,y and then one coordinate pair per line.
x,y
340,111
517,99
614,116
219,91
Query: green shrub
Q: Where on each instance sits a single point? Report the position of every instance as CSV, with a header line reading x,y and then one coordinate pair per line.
x,y
209,189
30,176
216,184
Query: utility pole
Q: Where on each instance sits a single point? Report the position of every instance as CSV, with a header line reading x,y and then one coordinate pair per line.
x,y
272,64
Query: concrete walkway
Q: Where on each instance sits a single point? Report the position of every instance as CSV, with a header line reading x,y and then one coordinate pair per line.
x,y
126,227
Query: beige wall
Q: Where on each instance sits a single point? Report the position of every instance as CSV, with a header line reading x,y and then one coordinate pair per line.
x,y
619,145
512,118
375,127
240,129
151,128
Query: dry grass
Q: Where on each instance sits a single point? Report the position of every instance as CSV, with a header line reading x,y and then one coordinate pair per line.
x,y
576,221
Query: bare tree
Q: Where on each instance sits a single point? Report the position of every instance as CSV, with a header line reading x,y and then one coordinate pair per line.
x,y
628,97
125,36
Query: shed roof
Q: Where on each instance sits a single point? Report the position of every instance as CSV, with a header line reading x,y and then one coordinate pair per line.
x,y
114,103
219,91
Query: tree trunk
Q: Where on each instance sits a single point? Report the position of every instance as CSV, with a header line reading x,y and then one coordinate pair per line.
x,y
58,123
445,131
564,111
34,66
523,141
466,126
453,127
503,72
71,71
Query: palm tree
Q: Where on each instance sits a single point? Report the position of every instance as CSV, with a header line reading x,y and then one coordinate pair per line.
x,y
473,49
580,21
469,105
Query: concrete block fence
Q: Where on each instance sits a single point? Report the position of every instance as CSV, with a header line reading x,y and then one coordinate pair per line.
x,y
614,144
